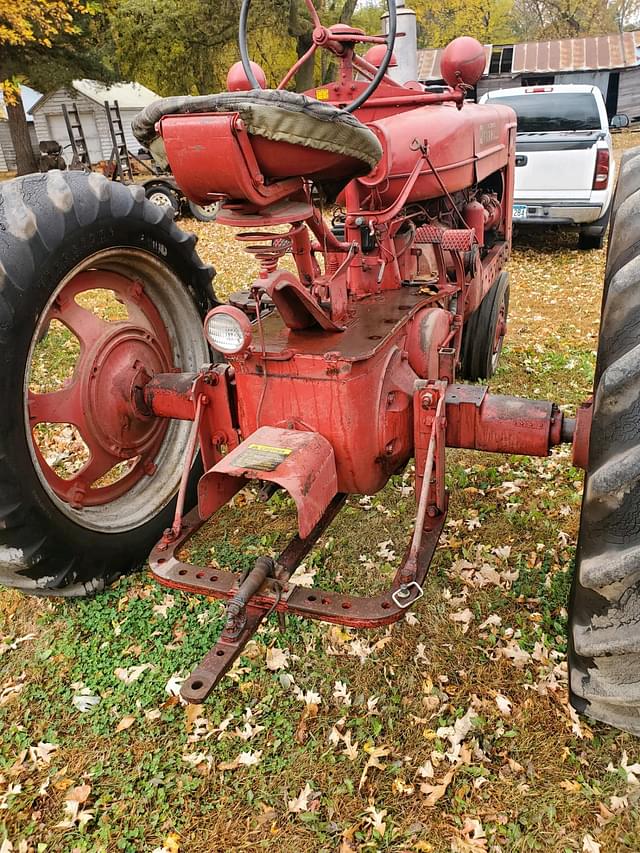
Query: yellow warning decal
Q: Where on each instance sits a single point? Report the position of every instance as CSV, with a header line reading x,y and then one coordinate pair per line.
x,y
261,457
322,94
284,451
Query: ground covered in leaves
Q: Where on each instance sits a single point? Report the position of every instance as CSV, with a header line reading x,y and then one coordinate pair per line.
x,y
450,731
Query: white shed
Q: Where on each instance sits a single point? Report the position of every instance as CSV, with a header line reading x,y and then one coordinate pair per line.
x,y
7,153
89,97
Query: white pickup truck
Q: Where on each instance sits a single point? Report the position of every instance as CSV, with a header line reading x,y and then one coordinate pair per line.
x,y
564,167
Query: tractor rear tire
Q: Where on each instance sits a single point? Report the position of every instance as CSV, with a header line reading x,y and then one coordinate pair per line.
x,y
604,613
62,233
484,333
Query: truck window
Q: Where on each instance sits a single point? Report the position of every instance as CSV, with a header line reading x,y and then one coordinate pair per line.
x,y
548,111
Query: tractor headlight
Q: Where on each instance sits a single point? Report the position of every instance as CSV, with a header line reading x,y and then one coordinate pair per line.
x,y
227,329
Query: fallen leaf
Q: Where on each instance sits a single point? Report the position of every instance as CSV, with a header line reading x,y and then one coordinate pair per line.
x,y
301,802
277,658
132,673
463,618
310,711
245,759
504,704
436,792
376,818
125,723
589,845
375,753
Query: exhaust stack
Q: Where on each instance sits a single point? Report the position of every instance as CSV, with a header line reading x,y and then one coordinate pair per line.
x,y
406,47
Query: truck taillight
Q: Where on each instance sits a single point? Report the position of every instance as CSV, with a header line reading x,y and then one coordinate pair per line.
x,y
601,174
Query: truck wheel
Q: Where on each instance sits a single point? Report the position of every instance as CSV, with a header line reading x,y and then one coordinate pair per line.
x,y
164,197
604,614
204,213
590,241
99,291
484,333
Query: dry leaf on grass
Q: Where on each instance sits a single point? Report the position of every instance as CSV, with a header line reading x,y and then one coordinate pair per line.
x,y
277,658
76,815
310,711
504,704
376,818
436,792
131,673
462,618
375,753
245,759
307,800
125,723
41,753
589,845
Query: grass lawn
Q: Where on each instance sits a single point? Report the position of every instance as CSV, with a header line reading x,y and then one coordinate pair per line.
x,y
447,732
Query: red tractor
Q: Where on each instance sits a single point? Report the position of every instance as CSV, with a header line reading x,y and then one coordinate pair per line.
x,y
324,382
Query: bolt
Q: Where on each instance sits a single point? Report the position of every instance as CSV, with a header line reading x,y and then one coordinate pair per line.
x,y
149,467
76,497
403,591
136,292
432,511
427,401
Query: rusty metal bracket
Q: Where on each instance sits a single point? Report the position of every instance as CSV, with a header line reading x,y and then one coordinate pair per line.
x,y
281,595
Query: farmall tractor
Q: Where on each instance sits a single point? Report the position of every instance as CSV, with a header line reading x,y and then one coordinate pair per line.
x,y
323,383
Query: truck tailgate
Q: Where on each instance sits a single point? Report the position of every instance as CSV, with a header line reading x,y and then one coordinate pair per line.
x,y
555,165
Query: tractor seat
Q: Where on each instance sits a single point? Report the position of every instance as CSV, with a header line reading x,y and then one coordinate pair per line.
x,y
280,116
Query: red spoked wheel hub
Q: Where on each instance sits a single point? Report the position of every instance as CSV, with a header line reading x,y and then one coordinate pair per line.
x,y
103,397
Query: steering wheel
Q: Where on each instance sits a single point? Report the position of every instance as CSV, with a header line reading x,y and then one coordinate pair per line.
x,y
324,36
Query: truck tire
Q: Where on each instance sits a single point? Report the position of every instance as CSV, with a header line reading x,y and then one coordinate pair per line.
x,y
604,612
204,213
587,242
592,236
164,197
61,236
484,333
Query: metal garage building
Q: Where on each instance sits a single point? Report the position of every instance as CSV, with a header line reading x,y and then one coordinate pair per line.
x,y
610,62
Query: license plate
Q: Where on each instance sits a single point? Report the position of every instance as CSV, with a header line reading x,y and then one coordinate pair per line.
x,y
519,211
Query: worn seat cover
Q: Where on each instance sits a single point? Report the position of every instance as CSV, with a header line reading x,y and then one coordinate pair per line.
x,y
275,114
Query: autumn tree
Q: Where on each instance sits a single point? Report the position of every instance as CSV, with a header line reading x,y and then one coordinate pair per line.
x,y
558,19
439,22
44,43
187,46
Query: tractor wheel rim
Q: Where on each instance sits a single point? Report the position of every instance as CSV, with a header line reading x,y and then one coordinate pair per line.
x,y
134,460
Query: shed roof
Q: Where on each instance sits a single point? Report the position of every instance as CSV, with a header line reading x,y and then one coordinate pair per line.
x,y
128,95
593,53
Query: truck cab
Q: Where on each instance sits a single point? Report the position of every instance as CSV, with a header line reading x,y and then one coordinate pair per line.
x,y
564,166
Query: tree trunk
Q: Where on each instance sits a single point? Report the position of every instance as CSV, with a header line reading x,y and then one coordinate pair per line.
x,y
19,131
305,76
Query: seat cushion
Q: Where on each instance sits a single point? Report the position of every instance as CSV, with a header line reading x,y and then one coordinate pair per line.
x,y
275,114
